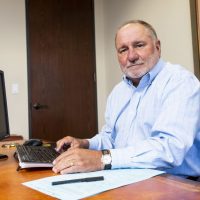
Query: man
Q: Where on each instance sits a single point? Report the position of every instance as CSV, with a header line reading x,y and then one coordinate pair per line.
x,y
152,116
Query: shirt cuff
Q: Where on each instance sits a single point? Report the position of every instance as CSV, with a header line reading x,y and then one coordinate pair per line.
x,y
120,159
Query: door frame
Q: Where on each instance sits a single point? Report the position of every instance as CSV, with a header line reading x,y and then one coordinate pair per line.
x,y
195,23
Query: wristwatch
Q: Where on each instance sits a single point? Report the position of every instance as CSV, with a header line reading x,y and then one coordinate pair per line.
x,y
106,159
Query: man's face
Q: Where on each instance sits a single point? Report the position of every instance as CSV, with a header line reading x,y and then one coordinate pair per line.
x,y
138,51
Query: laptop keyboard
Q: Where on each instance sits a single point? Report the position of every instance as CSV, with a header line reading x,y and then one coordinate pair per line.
x,y
36,154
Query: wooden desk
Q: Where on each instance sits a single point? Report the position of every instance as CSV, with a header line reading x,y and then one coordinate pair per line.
x,y
157,188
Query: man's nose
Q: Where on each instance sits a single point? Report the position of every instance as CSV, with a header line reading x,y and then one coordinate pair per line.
x,y
132,55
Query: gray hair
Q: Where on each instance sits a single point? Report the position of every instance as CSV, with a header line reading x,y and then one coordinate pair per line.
x,y
143,23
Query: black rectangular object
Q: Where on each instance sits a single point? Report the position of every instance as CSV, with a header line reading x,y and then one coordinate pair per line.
x,y
4,121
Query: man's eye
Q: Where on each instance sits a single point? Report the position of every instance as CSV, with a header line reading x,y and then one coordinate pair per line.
x,y
139,45
122,51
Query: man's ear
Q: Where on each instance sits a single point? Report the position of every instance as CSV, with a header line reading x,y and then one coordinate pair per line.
x,y
158,46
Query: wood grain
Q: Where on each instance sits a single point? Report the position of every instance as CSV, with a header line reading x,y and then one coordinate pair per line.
x,y
162,187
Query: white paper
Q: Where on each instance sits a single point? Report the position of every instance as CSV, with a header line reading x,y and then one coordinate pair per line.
x,y
74,191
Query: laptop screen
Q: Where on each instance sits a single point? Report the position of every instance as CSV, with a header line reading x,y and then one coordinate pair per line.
x,y
4,124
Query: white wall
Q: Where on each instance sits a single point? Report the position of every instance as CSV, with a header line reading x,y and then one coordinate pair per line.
x,y
171,19
100,60
14,63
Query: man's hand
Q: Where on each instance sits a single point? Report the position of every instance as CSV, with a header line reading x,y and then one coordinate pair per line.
x,y
78,160
71,142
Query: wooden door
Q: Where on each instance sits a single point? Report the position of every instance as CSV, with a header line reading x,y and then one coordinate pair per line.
x,y
61,68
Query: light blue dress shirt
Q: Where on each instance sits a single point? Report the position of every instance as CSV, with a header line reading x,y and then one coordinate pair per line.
x,y
156,124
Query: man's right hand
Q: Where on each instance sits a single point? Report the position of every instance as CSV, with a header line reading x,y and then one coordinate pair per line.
x,y
71,142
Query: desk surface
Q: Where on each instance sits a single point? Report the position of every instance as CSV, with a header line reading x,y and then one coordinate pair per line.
x,y
157,188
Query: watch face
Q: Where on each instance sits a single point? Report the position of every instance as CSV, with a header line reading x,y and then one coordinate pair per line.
x,y
107,159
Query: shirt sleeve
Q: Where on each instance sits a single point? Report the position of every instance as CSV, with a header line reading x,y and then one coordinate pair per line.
x,y
172,134
104,140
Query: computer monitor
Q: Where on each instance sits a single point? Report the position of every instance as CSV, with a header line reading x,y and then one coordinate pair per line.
x,y
4,123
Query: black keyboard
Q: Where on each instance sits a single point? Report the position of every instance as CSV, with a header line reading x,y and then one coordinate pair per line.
x,y
36,154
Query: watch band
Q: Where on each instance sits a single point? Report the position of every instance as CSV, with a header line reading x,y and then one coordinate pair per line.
x,y
107,164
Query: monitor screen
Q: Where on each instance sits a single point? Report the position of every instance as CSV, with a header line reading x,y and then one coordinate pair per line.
x,y
4,124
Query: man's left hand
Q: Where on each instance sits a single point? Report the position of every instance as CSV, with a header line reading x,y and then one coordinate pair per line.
x,y
78,160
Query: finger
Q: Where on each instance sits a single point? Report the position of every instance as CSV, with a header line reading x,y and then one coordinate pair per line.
x,y
64,143
74,167
69,170
74,144
63,165
59,144
62,157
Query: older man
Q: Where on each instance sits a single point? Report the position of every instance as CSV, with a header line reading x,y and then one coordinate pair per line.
x,y
152,116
